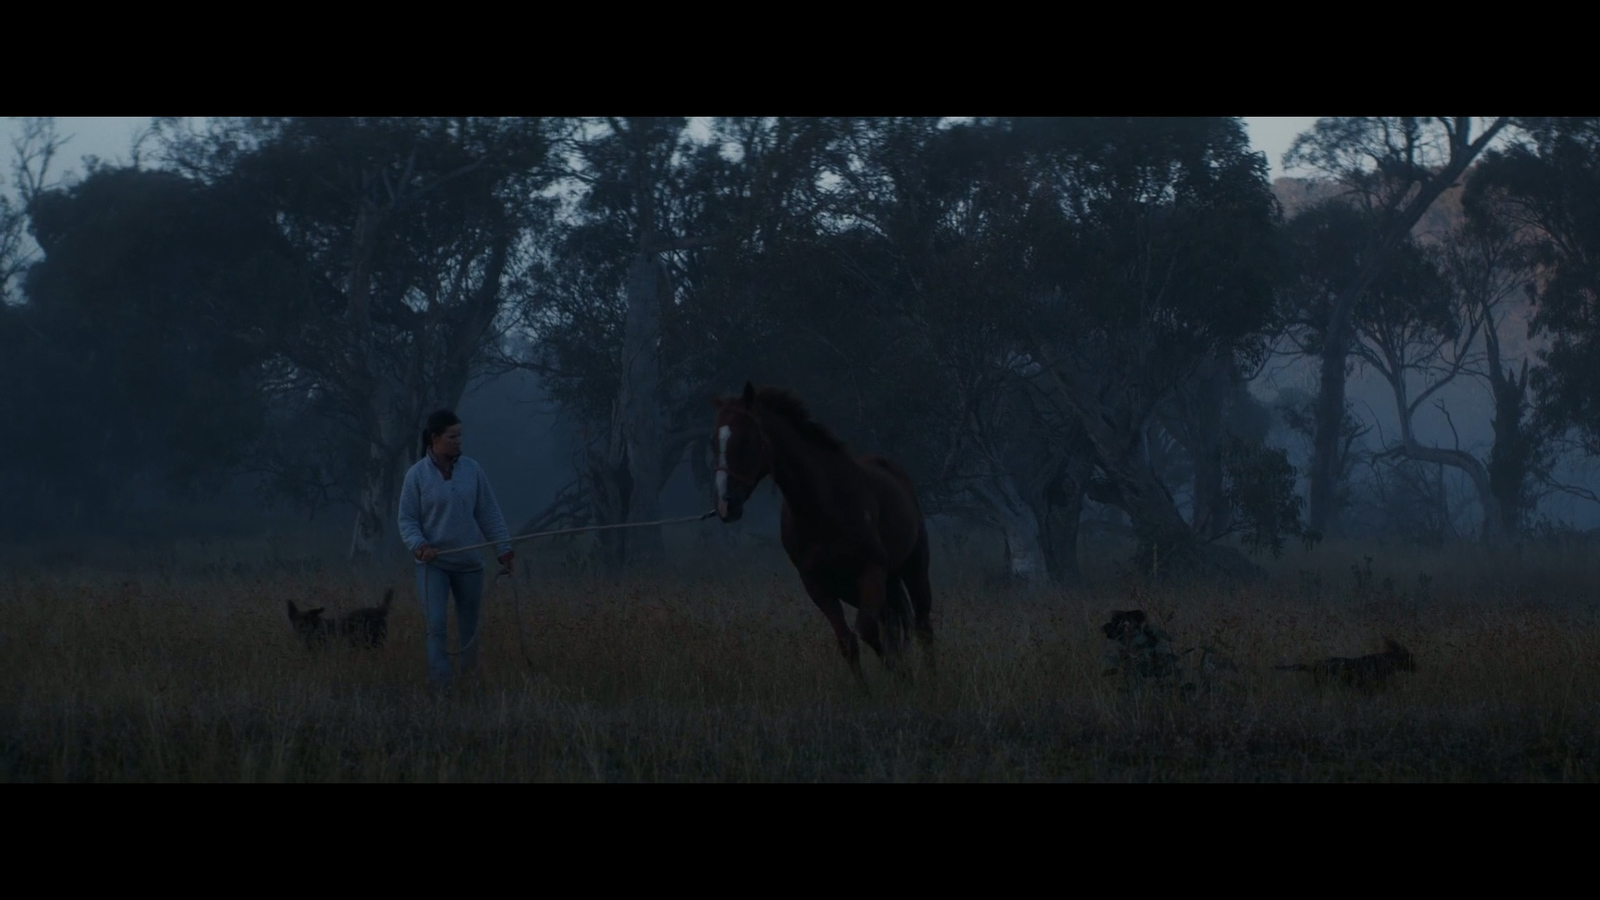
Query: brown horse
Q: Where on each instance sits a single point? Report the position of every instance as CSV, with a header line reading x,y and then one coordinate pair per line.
x,y
852,527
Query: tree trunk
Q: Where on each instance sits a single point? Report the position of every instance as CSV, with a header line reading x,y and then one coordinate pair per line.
x,y
1493,528
1211,514
1003,507
374,501
610,488
375,505
639,406
1024,554
1326,455
1162,533
1198,425
1512,454
1063,514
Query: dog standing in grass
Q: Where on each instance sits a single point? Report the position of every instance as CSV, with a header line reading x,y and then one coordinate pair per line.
x,y
1364,673
1142,649
365,627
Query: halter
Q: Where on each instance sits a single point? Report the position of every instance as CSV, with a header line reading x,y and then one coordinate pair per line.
x,y
735,475
766,446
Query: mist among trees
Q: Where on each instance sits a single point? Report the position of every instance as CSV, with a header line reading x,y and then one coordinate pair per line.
x,y
1054,324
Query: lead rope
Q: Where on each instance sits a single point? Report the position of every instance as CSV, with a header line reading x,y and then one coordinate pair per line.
x,y
516,598
523,537
522,633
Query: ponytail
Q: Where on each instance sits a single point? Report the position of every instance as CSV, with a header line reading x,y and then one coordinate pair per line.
x,y
437,423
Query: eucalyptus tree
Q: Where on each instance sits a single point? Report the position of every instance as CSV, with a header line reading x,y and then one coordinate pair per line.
x,y
32,151
123,360
1546,189
1549,186
1155,258
987,256
1420,332
111,345
658,289
1390,172
928,253
408,234
1493,262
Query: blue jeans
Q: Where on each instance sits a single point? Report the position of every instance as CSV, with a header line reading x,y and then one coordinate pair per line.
x,y
434,586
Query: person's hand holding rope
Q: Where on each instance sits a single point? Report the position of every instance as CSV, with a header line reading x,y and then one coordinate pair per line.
x,y
506,563
426,553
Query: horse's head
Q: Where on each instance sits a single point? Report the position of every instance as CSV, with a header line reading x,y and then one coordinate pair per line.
x,y
743,455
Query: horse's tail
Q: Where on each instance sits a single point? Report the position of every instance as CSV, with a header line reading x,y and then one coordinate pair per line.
x,y
388,597
897,606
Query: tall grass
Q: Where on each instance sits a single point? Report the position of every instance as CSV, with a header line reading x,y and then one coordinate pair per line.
x,y
185,670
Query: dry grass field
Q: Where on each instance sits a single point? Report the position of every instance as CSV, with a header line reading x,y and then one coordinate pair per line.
x,y
182,668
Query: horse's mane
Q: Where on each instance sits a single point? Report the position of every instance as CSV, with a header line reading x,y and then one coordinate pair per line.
x,y
788,405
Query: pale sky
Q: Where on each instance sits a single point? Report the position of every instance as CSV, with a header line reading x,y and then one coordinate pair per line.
x,y
110,137
1273,134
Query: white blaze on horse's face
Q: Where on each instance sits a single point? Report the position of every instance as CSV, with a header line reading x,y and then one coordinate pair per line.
x,y
723,434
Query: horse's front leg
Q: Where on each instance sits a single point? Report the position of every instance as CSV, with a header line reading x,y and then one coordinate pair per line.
x,y
869,609
834,610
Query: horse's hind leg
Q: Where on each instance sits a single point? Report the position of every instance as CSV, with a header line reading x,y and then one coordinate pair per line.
x,y
834,611
915,576
897,615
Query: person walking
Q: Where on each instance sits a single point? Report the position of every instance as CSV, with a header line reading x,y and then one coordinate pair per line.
x,y
446,502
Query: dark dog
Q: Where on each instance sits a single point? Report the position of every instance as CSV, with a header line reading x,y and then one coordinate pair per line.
x,y
1143,650
1124,624
1366,673
367,627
